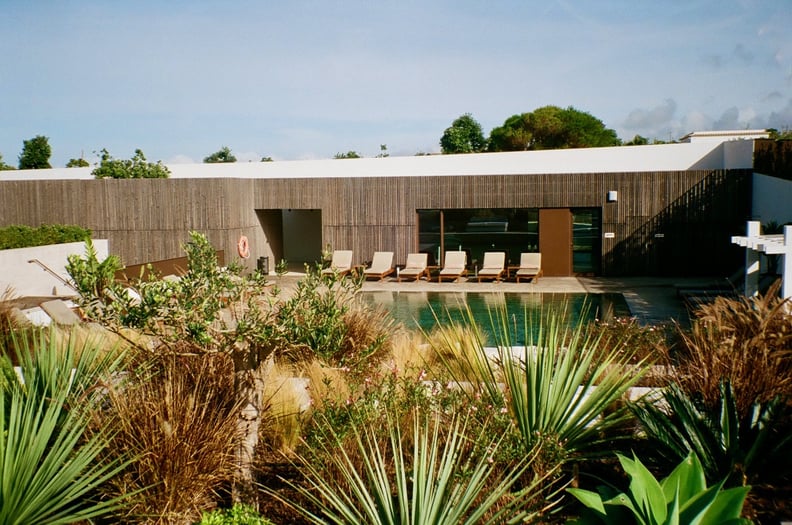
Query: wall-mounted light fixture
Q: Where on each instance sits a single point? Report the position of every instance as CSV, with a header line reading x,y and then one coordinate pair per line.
x,y
613,196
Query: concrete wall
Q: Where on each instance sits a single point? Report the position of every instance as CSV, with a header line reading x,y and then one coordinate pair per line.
x,y
25,279
772,199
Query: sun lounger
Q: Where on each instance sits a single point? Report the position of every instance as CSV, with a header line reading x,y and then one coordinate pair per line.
x,y
340,264
381,265
530,266
454,267
415,268
493,267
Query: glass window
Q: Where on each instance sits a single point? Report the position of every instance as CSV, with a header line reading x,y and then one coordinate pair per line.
x,y
586,240
479,230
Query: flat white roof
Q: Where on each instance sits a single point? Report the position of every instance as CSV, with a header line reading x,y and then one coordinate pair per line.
x,y
708,154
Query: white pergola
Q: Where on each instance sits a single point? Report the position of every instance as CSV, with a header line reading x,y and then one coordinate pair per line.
x,y
755,243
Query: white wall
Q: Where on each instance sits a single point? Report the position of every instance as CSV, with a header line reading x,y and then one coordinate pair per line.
x,y
27,279
699,154
772,199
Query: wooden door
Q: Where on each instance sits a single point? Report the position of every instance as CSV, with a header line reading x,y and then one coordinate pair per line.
x,y
555,241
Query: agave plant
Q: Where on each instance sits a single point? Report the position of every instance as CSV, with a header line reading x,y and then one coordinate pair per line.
x,y
49,463
740,449
559,386
682,497
438,480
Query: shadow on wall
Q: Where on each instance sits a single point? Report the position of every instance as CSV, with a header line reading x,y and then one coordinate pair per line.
x,y
691,236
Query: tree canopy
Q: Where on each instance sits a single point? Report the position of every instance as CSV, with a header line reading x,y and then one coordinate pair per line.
x,y
463,136
551,127
77,163
222,155
4,166
135,168
35,154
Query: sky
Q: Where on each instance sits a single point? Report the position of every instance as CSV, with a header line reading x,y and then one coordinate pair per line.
x,y
302,79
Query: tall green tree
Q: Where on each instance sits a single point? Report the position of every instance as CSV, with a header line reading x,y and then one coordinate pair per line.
x,y
35,154
4,166
135,168
222,155
463,136
552,127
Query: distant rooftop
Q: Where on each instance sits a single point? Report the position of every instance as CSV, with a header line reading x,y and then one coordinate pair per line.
x,y
728,134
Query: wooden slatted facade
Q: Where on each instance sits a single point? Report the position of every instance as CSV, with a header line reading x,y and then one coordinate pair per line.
x,y
664,223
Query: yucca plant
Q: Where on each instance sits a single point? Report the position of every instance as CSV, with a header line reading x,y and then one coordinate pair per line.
x,y
682,497
442,478
559,386
50,465
741,449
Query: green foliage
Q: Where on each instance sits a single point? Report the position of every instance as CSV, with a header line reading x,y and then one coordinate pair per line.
x,y
77,163
561,388
752,448
551,127
239,514
313,318
20,236
134,168
50,463
682,497
267,159
4,166
348,155
94,279
463,136
784,134
35,154
441,478
222,155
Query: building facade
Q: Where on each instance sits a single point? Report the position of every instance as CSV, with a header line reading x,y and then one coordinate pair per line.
x,y
641,210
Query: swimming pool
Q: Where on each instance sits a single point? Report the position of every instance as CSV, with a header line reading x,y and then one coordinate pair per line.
x,y
426,309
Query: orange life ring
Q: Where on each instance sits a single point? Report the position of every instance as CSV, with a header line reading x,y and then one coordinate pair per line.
x,y
243,247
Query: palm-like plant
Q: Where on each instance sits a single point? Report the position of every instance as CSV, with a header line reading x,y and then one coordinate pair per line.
x,y
440,479
559,386
751,448
49,466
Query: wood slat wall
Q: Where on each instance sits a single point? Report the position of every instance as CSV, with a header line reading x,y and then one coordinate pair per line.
x,y
149,219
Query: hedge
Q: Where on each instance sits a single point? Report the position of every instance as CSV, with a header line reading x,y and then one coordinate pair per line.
x,y
19,236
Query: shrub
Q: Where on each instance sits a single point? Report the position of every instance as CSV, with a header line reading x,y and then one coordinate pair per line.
x,y
178,416
746,341
20,236
425,471
135,168
50,464
682,497
239,514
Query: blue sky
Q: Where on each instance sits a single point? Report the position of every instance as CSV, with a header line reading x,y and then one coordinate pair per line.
x,y
307,79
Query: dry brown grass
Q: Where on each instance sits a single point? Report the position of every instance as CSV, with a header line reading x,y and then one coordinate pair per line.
x,y
178,418
747,341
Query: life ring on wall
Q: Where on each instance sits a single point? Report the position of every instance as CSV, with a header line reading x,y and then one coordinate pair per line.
x,y
243,248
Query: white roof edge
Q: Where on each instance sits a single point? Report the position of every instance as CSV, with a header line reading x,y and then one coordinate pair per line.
x,y
683,156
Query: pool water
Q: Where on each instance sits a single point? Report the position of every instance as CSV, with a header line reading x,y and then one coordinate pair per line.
x,y
425,310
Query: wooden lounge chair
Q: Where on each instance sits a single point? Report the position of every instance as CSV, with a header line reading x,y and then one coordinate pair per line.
x,y
530,266
493,267
415,268
340,264
454,267
381,265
